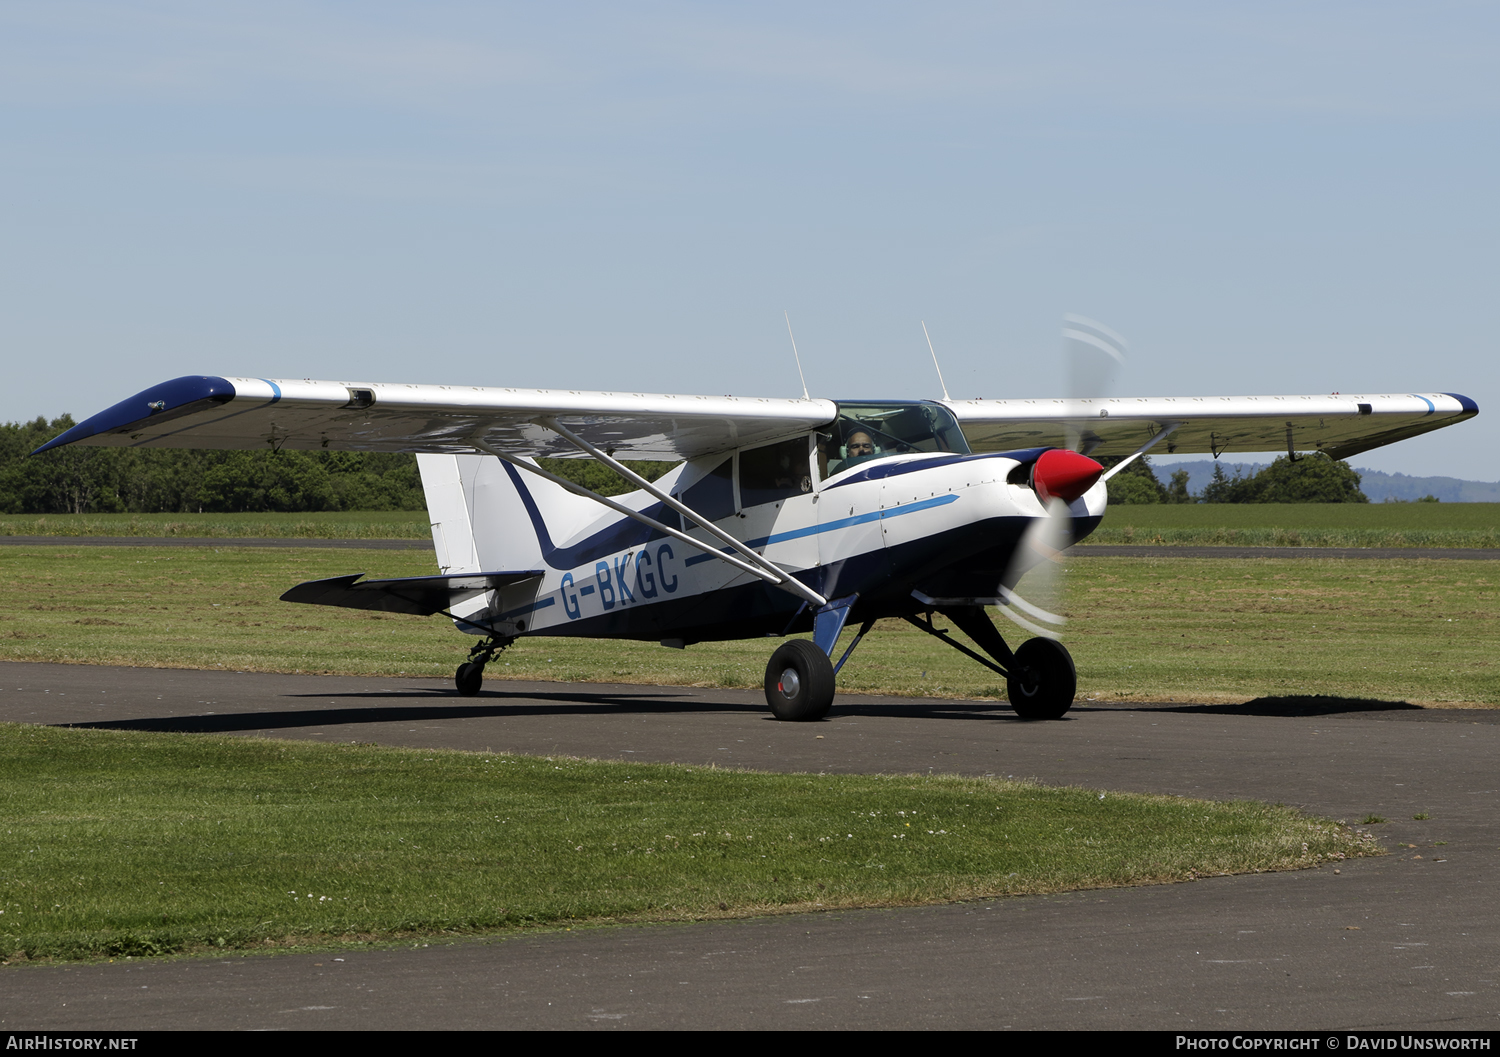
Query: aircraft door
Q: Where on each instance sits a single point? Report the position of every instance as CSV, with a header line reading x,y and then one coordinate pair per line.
x,y
851,540
778,514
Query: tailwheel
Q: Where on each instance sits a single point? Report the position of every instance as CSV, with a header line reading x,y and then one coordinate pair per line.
x,y
470,675
1042,681
799,682
468,679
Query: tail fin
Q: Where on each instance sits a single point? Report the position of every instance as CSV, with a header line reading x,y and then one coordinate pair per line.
x,y
448,510
480,519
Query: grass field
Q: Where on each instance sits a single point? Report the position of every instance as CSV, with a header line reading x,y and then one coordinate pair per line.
x,y
1143,628
1303,525
127,844
1282,525
380,524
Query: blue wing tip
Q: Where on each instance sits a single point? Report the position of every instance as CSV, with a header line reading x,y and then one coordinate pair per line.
x,y
1469,406
180,396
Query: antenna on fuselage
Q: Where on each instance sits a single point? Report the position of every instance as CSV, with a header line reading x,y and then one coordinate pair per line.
x,y
794,353
934,360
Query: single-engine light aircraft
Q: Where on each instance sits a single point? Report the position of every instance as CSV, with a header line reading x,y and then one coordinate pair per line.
x,y
783,517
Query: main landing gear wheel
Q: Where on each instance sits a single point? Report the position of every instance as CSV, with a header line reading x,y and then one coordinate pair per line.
x,y
468,679
799,682
1042,680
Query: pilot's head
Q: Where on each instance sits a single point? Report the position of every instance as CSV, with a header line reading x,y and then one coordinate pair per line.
x,y
860,444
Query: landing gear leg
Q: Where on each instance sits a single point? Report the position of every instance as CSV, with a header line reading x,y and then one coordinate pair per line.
x,y
470,674
1040,679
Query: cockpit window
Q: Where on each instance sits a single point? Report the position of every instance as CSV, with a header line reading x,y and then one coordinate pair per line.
x,y
774,472
866,432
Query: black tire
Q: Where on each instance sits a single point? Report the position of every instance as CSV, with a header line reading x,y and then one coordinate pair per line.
x,y
469,678
799,682
1043,681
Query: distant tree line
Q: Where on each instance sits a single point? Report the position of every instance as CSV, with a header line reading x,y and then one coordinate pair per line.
x,y
1310,479
87,480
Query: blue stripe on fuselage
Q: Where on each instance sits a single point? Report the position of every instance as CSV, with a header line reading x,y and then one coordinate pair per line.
x,y
832,526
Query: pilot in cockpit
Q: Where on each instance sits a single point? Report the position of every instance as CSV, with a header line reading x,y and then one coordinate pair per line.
x,y
858,447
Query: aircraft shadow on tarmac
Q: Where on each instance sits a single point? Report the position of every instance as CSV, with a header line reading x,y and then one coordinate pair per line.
x,y
1292,707
500,705
534,705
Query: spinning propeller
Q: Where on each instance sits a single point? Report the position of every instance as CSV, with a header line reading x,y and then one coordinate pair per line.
x,y
1093,354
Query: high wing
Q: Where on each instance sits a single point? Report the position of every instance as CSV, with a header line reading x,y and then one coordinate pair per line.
x,y
249,413
1339,425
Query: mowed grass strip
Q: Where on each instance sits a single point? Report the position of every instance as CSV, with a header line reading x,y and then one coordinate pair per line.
x,y
1302,525
119,843
376,524
1424,631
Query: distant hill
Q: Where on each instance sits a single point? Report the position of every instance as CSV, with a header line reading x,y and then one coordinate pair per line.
x,y
1378,486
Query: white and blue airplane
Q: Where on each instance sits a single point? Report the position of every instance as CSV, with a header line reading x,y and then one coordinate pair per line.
x,y
783,517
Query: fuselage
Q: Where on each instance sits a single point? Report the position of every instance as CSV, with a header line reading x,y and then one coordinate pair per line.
x,y
942,524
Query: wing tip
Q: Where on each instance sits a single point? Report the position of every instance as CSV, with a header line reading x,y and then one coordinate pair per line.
x,y
1470,408
171,399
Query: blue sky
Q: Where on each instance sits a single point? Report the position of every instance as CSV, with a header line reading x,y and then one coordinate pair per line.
x,y
1269,198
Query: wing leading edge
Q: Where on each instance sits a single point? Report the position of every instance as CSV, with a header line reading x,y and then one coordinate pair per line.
x,y
247,413
1339,425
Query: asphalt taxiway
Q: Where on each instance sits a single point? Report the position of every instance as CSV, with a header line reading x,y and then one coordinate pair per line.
x,y
1410,940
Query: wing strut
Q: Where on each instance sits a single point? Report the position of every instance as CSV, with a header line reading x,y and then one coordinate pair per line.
x,y
1144,448
758,566
686,511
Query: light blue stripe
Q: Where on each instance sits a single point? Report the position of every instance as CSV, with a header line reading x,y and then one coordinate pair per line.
x,y
541,603
1430,407
832,526
274,388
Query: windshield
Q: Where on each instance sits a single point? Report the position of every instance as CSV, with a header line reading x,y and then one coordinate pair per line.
x,y
867,432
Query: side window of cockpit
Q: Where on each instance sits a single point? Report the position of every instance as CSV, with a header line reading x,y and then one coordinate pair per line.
x,y
774,472
945,428
712,495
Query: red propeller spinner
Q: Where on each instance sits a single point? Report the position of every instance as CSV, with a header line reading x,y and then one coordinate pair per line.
x,y
1063,474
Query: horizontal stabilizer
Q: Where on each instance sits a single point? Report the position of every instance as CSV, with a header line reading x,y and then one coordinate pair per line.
x,y
419,595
